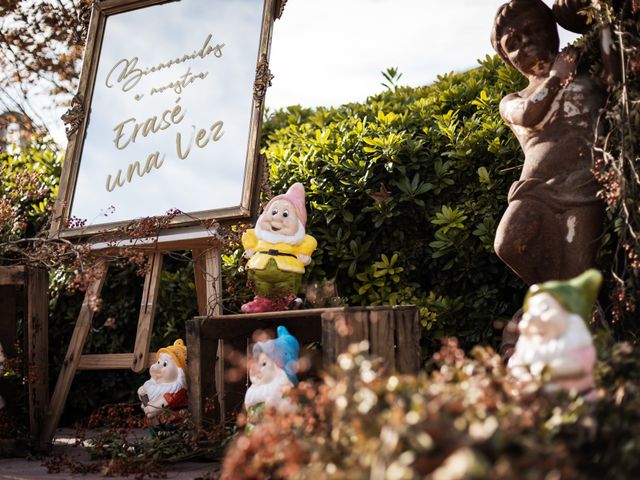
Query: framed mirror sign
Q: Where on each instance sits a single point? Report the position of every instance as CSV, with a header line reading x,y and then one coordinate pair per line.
x,y
168,114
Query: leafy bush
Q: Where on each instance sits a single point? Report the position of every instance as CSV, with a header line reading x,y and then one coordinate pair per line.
x,y
28,185
464,420
416,177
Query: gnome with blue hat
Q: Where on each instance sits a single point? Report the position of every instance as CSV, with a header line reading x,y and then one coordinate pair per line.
x,y
273,371
554,338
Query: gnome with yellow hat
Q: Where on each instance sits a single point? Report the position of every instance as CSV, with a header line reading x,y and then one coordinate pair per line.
x,y
167,388
553,334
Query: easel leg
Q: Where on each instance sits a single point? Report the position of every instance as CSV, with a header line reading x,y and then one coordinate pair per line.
x,y
147,313
208,275
71,360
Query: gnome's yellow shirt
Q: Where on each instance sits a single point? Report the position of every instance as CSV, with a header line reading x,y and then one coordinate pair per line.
x,y
285,254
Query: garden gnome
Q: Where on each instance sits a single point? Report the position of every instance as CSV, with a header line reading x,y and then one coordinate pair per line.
x,y
554,336
553,224
273,371
167,388
278,249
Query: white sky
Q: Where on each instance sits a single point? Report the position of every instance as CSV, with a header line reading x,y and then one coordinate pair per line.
x,y
329,52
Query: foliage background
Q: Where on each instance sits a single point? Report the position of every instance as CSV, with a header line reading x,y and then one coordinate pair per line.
x,y
404,194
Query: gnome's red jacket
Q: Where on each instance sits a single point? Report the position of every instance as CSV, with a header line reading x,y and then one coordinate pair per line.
x,y
177,400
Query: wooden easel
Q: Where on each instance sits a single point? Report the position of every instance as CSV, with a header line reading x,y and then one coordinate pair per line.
x,y
208,280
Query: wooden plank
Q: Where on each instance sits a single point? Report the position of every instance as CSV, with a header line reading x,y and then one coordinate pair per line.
x,y
339,329
178,238
235,375
213,281
14,275
37,346
213,293
111,361
227,327
148,306
381,338
407,320
202,385
328,340
72,358
358,322
199,274
10,296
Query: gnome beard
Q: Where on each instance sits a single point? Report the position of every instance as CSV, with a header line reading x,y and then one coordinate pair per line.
x,y
155,391
537,349
274,237
271,393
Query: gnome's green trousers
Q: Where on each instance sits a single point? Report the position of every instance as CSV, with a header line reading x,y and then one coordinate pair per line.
x,y
273,283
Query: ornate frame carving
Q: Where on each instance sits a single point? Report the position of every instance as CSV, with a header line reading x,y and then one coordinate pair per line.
x,y
74,117
280,5
263,81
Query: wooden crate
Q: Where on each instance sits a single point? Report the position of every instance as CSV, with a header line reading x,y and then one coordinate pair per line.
x,y
24,293
393,333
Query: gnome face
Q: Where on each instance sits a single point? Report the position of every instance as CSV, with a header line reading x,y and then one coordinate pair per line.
x,y
280,218
544,319
263,370
164,370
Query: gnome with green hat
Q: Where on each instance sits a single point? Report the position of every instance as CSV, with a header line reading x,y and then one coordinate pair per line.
x,y
553,334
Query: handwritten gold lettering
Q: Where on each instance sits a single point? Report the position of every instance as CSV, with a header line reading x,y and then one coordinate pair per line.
x,y
179,85
217,128
202,138
179,145
153,161
118,129
151,125
128,74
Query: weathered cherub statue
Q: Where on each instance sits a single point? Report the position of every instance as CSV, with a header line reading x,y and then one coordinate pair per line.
x,y
553,334
278,250
553,224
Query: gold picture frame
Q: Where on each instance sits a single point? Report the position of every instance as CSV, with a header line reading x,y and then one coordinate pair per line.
x,y
77,121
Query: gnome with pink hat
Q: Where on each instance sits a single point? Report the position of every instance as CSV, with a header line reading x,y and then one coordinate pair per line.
x,y
278,249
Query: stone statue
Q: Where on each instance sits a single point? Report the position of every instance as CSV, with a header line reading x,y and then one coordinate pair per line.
x,y
553,224
554,338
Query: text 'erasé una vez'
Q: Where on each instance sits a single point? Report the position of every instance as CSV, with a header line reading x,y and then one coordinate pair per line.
x,y
130,129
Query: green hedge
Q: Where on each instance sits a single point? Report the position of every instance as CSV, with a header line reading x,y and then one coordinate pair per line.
x,y
405,191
